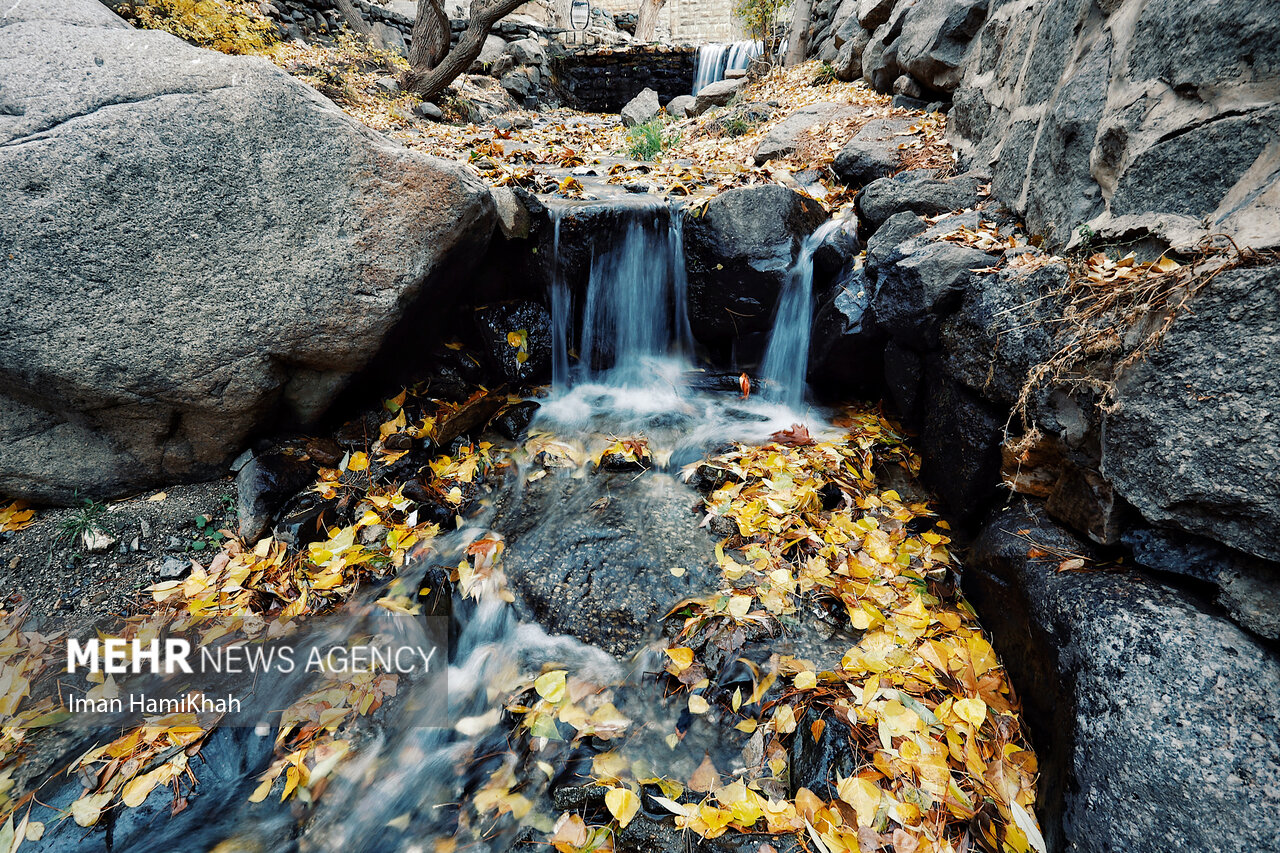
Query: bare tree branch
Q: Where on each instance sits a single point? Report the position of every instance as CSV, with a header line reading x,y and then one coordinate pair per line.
x,y
428,83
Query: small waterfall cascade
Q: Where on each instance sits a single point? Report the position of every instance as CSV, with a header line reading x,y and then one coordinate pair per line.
x,y
634,312
786,359
715,60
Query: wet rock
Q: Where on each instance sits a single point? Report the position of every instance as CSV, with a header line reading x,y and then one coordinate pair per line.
x,y
845,352
917,191
266,481
513,423
1193,440
641,109
783,137
517,340
819,762
872,152
681,106
593,557
514,218
738,253
927,285
1125,756
124,133
960,436
716,94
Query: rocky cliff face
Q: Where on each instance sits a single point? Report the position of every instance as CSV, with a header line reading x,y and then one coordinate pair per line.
x,y
195,247
1133,118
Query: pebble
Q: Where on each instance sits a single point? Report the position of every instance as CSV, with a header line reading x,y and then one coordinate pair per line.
x,y
173,568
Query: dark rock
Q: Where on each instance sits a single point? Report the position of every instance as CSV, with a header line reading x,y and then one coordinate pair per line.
x,y
531,322
173,569
916,293
848,61
885,247
738,253
880,57
1246,587
906,102
783,137
193,308
845,350
269,479
717,94
1035,103
527,51
960,440
592,557
818,763
903,375
918,192
1193,439
1123,755
935,36
513,423
872,153
906,85
873,13
1004,328
643,108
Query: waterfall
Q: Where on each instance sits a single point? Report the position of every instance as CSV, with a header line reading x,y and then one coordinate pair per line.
x,y
786,360
715,60
561,307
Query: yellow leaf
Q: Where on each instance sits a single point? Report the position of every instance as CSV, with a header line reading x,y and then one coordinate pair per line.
x,y
358,462
971,710
863,795
86,810
698,705
806,680
681,657
550,685
623,805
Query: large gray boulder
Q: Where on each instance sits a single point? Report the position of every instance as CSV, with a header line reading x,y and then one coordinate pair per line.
x,y
872,153
917,191
643,108
717,94
783,137
1137,117
738,252
196,248
1201,409
1155,722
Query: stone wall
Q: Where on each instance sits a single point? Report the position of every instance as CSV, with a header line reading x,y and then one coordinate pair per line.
x,y
1156,114
605,79
702,21
1133,118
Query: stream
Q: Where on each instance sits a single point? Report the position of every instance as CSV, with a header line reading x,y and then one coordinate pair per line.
x,y
554,554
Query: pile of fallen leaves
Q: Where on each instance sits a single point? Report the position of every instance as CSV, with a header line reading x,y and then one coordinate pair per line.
x,y
246,593
941,760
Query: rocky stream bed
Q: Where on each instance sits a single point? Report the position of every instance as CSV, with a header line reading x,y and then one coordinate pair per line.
x,y
887,463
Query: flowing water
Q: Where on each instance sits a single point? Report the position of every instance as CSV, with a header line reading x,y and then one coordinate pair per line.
x,y
411,778
715,60
786,360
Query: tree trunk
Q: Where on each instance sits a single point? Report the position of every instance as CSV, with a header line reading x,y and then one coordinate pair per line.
x,y
428,83
798,38
647,20
431,35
